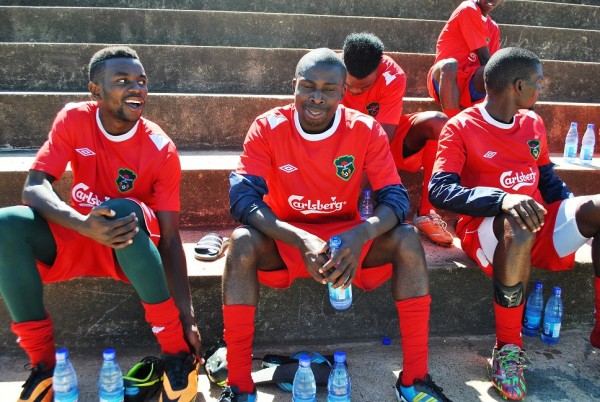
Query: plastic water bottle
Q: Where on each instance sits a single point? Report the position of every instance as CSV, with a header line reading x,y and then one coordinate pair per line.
x,y
365,208
552,317
110,381
533,311
587,146
570,154
339,386
64,380
339,298
304,387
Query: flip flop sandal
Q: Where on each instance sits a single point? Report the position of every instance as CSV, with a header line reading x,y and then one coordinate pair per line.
x,y
210,247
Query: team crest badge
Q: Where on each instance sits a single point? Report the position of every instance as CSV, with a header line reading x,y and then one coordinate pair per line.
x,y
534,148
344,167
373,109
125,180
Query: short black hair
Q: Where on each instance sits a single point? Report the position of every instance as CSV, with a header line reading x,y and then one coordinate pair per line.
x,y
362,53
96,66
321,55
508,65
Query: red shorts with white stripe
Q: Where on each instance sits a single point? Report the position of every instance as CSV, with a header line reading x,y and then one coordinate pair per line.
x,y
366,278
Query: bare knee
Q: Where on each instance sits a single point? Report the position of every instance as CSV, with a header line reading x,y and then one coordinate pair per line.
x,y
407,242
507,229
431,123
448,67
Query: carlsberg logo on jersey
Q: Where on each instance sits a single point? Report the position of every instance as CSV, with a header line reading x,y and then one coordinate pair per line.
x,y
516,180
85,198
314,207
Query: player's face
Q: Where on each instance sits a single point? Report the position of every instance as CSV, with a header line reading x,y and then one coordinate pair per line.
x,y
357,86
123,91
318,91
531,88
488,5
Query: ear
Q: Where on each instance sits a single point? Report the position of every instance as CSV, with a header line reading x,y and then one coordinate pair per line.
x,y
94,90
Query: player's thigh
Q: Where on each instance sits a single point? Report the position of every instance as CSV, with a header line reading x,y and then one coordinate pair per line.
x,y
21,225
249,245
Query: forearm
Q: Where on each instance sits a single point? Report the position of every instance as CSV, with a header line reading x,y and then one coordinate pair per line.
x,y
382,221
40,195
268,223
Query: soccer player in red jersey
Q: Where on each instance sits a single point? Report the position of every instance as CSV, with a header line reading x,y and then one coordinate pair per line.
x,y
296,185
122,222
375,85
493,168
463,48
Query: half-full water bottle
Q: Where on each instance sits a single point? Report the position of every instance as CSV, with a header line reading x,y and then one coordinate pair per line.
x,y
365,208
533,311
64,380
339,298
571,141
552,317
339,386
587,146
304,387
110,381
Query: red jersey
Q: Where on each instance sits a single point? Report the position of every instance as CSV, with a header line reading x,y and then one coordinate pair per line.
x,y
316,177
485,152
141,164
383,100
467,30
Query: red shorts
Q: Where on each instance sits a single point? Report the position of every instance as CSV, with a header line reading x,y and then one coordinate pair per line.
x,y
366,278
543,254
414,162
78,255
463,79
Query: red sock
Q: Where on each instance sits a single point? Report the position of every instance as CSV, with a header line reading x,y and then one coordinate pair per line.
x,y
429,152
451,112
37,339
238,320
166,326
508,325
413,314
595,335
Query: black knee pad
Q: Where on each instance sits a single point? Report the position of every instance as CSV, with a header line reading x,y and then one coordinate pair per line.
x,y
508,296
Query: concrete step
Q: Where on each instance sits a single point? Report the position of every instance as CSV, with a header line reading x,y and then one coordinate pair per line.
x,y
253,29
100,311
55,67
518,12
219,122
205,185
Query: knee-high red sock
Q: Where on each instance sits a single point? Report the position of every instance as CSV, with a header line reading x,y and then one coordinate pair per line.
x,y
166,326
238,334
429,152
413,314
37,339
595,335
508,324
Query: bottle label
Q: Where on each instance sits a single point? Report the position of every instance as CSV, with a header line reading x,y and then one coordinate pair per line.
x,y
571,151
532,322
552,329
74,398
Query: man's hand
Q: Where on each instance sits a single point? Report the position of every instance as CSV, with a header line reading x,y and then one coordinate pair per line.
x,y
341,270
528,213
115,233
314,254
193,337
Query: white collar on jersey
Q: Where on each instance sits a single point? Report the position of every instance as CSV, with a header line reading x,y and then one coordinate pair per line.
x,y
492,121
323,135
116,138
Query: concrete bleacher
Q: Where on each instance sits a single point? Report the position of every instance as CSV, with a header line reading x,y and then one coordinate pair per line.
x,y
213,67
